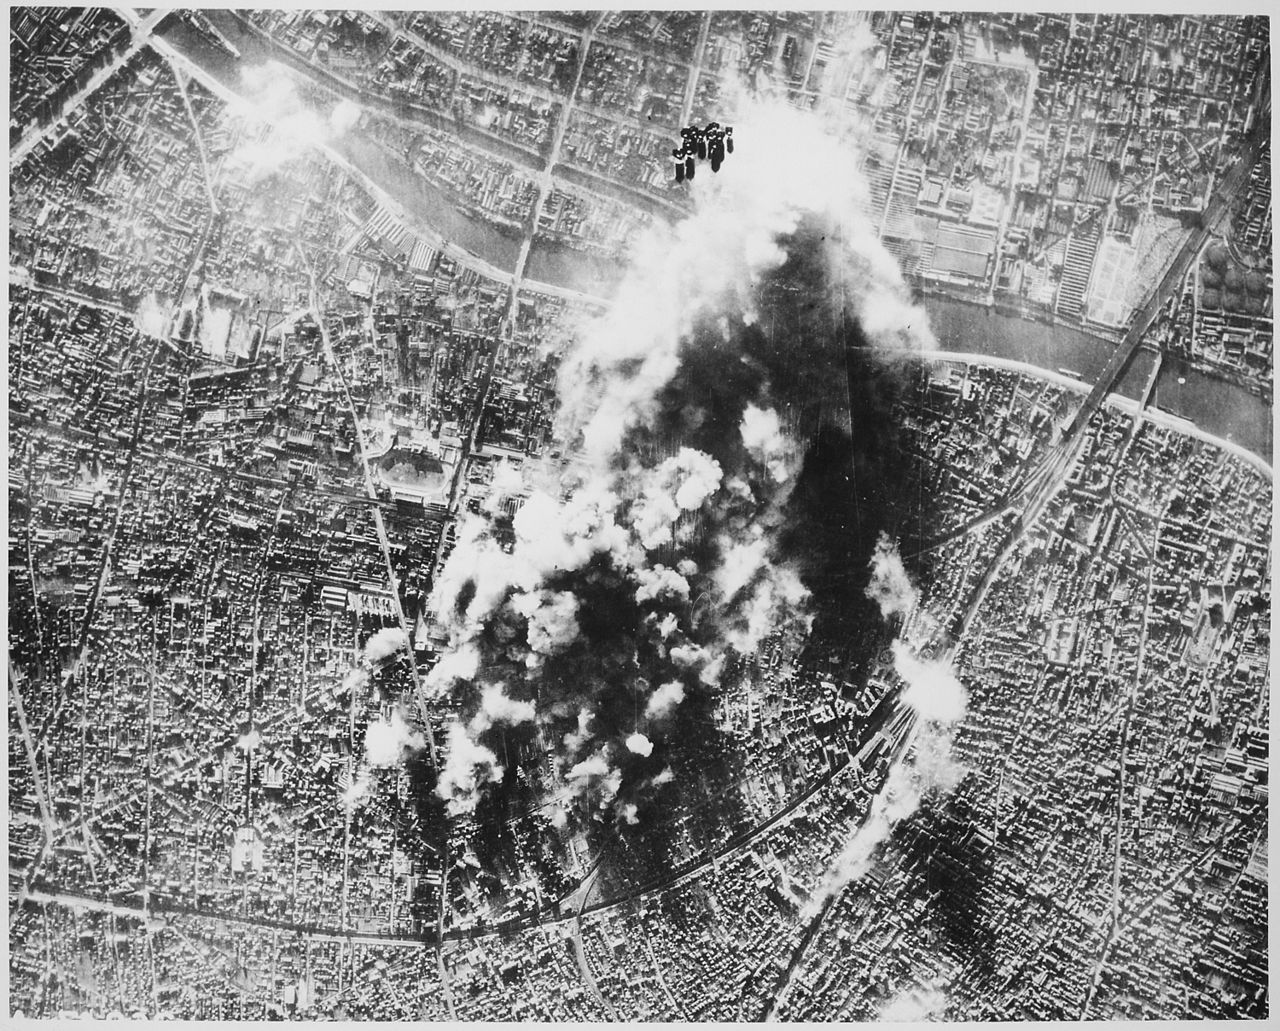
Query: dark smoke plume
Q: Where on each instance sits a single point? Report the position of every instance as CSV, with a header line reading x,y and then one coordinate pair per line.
x,y
731,440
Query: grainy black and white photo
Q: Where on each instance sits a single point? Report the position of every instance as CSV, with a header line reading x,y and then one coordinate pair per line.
x,y
608,516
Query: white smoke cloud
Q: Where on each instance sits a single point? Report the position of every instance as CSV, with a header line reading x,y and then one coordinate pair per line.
x,y
690,656
664,700
743,561
468,766
703,271
777,595
497,707
890,587
914,1005
709,262
507,482
629,812
933,689
575,739
551,536
387,741
662,584
553,619
476,561
764,440
679,484
357,791
591,771
928,766
554,536
608,788
710,673
665,777
640,744
761,431
458,665
344,117
933,764
153,315
694,656
897,798
384,643
291,125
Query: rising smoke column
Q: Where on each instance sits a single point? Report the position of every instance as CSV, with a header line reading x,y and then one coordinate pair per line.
x,y
932,690
609,607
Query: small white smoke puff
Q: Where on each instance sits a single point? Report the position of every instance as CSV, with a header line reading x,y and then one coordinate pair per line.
x,y
384,643
596,773
933,689
575,739
764,440
387,741
914,1005
355,793
665,777
890,587
593,766
664,700
640,744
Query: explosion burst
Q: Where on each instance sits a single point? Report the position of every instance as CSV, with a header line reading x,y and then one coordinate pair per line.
x,y
602,619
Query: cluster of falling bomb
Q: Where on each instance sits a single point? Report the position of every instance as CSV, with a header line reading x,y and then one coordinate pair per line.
x,y
699,144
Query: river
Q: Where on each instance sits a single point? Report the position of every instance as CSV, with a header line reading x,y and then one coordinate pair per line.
x,y
1217,406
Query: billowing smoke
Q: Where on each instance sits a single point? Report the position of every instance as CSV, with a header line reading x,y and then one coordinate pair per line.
x,y
890,587
914,1005
552,617
619,595
932,688
496,707
386,742
384,643
640,744
930,768
467,768
765,441
291,124
355,792
664,700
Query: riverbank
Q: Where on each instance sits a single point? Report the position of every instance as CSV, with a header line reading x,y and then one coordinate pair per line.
x,y
1220,408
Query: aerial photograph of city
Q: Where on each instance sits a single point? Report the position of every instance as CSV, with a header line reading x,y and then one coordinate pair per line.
x,y
678,515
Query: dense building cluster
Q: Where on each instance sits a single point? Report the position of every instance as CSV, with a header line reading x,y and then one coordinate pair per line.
x,y
1049,163
267,351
